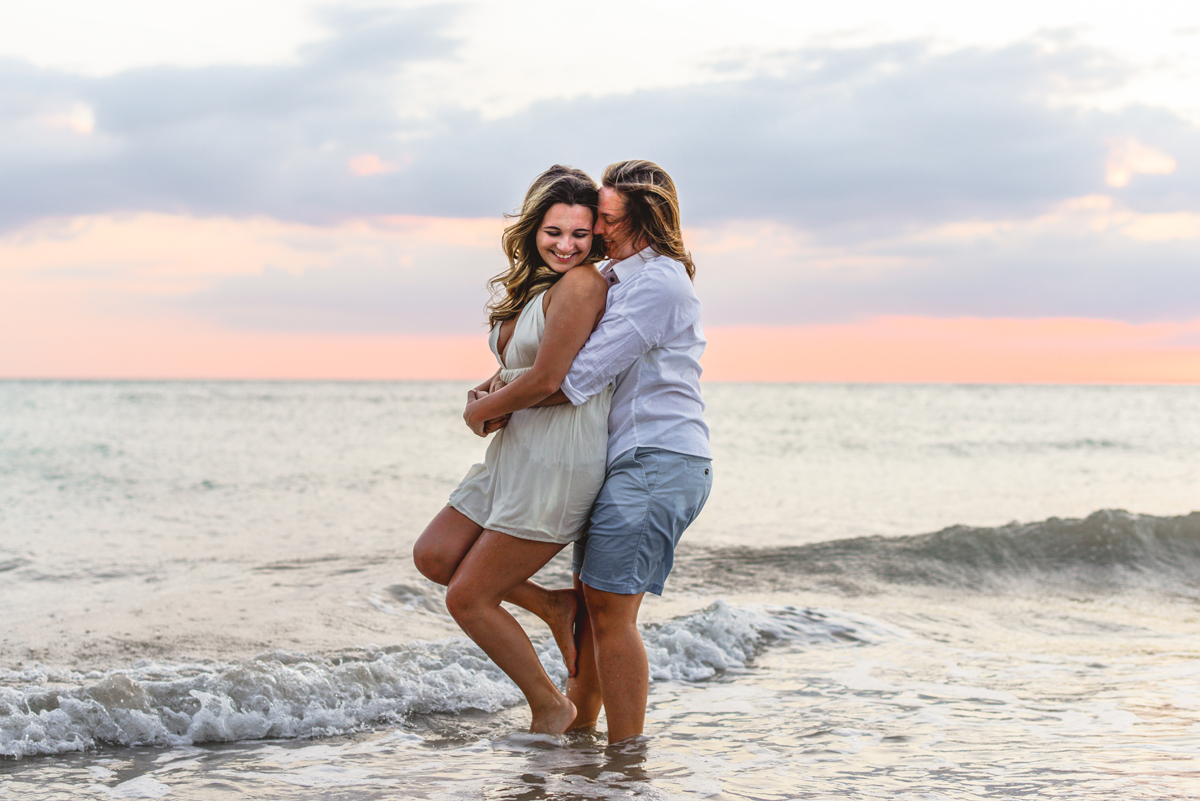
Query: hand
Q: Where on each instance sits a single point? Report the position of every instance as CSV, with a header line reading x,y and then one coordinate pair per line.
x,y
495,424
472,396
489,426
497,384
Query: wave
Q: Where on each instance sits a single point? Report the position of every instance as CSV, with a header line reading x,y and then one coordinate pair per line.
x,y
291,695
1108,551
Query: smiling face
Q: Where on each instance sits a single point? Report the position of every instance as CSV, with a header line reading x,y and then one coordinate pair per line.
x,y
565,236
611,227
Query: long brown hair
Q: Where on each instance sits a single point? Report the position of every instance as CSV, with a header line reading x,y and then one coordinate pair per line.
x,y
651,208
527,272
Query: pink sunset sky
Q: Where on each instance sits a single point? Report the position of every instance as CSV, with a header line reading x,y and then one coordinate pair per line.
x,y
321,195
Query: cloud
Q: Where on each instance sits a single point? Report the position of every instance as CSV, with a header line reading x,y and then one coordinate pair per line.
x,y
229,140
1089,258
841,140
391,275
889,135
1128,157
401,286
888,179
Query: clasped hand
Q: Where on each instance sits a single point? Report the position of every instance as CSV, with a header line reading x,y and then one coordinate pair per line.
x,y
487,426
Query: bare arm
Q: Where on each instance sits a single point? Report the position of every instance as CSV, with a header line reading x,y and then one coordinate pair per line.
x,y
576,305
555,399
483,388
479,391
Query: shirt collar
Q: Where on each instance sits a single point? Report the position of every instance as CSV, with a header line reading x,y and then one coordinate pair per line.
x,y
625,268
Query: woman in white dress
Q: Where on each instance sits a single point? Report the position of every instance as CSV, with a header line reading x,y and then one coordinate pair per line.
x,y
532,493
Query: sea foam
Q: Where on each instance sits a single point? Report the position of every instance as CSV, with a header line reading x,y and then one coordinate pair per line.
x,y
292,695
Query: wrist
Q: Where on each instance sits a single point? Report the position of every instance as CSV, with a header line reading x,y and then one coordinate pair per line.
x,y
472,415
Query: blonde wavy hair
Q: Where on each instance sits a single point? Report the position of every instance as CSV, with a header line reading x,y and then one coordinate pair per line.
x,y
651,208
527,273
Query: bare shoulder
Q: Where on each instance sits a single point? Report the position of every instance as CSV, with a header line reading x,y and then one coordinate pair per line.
x,y
582,283
586,277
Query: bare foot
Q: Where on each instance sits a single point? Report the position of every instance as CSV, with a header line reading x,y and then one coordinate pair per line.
x,y
562,609
555,720
579,723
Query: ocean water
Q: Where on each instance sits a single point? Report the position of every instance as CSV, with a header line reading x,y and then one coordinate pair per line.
x,y
901,592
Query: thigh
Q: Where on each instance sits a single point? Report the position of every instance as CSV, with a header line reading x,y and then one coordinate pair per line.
x,y
499,562
648,500
607,558
444,543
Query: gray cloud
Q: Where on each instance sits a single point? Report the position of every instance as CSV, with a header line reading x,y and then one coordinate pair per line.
x,y
856,146
1049,274
415,289
889,135
231,140
870,138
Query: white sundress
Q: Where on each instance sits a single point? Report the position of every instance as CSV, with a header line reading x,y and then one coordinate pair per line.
x,y
542,471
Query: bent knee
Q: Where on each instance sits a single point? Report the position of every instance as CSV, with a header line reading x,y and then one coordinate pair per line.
x,y
461,603
432,564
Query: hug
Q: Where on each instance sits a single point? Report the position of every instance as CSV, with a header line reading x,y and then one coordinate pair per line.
x,y
598,440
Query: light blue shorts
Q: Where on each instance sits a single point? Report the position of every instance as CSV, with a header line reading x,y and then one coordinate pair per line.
x,y
649,497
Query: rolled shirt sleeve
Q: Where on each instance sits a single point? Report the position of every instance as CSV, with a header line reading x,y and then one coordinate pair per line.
x,y
648,344
650,310
613,346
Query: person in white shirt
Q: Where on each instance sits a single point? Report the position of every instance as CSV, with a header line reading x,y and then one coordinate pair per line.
x,y
659,470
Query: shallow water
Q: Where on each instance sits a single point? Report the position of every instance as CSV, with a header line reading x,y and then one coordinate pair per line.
x,y
209,596
980,708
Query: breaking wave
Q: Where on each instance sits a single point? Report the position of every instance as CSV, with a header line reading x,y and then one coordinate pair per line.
x,y
1107,551
290,695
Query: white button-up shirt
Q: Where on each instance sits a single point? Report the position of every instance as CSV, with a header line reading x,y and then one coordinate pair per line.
x,y
650,341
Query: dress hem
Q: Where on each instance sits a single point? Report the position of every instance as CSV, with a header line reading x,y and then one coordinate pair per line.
x,y
523,534
534,536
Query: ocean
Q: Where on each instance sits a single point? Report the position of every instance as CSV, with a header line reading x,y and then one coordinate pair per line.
x,y
895,592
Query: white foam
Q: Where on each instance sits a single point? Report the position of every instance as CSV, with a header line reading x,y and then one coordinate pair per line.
x,y
289,695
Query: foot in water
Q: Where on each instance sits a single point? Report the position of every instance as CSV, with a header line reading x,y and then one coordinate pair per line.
x,y
555,720
561,613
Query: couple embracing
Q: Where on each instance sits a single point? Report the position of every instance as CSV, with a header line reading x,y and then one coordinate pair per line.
x,y
599,441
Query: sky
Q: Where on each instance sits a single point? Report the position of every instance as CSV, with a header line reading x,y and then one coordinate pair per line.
x,y
873,191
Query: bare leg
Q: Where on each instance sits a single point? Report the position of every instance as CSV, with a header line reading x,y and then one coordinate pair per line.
x,y
444,544
558,609
494,566
624,674
584,688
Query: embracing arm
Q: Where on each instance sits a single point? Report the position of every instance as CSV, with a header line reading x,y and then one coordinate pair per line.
x,y
483,389
662,305
553,400
575,305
